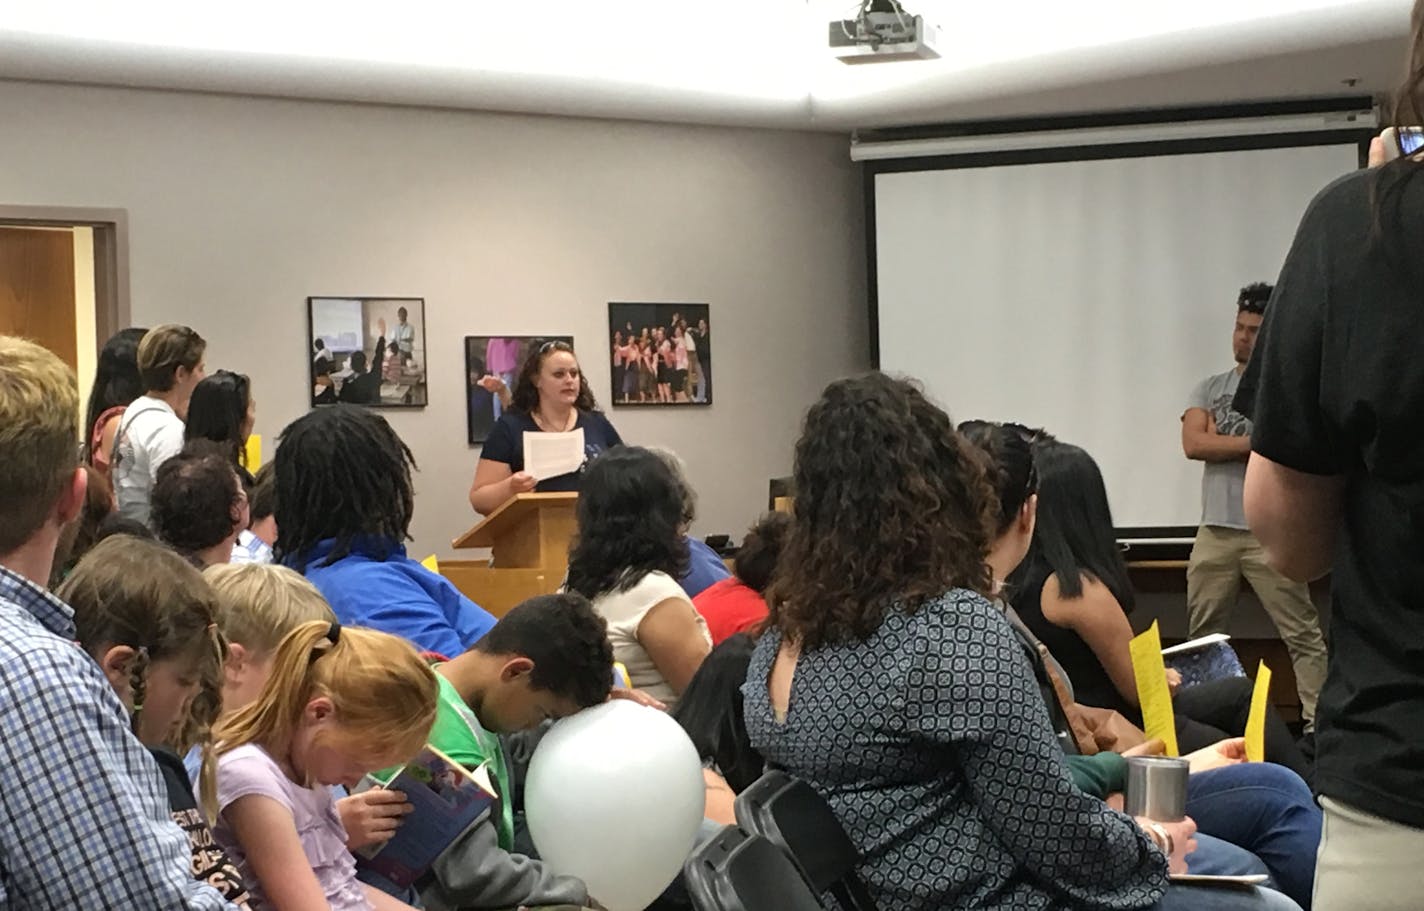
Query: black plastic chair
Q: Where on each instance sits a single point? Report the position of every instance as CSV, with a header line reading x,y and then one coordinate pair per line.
x,y
792,815
734,871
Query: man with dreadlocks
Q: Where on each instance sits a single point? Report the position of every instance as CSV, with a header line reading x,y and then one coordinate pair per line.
x,y
344,505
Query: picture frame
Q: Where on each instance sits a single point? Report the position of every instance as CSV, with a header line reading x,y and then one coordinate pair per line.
x,y
661,354
367,351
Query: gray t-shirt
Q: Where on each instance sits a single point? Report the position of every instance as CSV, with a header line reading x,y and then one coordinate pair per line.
x,y
1222,481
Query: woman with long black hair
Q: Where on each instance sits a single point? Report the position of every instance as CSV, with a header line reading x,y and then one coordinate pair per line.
x,y
117,383
223,410
627,558
1072,590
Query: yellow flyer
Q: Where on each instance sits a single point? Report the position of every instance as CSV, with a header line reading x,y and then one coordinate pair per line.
x,y
1256,721
1158,720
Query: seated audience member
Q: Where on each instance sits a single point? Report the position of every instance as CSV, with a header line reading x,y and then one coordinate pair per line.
x,y
80,536
704,565
223,410
83,817
547,658
858,686
323,386
170,361
1263,808
264,507
738,604
255,542
257,606
199,506
339,703
117,382
147,618
116,524
344,506
711,713
629,552
364,386
1072,590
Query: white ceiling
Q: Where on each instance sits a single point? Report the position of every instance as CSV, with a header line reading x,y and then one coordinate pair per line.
x,y
743,62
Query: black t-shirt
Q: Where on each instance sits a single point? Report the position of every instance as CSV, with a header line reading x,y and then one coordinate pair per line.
x,y
1336,387
211,864
505,443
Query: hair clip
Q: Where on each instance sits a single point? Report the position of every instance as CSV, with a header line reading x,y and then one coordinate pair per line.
x,y
333,632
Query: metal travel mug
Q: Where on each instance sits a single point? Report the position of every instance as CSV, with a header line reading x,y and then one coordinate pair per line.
x,y
1156,788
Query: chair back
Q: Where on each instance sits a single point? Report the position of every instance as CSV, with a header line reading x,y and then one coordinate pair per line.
x,y
735,871
792,815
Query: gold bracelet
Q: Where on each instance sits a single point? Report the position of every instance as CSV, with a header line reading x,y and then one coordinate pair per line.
x,y
1164,838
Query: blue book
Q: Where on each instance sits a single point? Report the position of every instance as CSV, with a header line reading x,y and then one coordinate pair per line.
x,y
448,799
1203,660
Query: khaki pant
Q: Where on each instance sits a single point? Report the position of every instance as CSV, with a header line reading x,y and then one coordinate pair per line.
x,y
1220,558
1367,863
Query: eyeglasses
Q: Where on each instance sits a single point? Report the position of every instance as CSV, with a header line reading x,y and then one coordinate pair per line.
x,y
555,345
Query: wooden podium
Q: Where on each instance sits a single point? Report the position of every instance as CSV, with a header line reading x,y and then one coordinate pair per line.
x,y
529,537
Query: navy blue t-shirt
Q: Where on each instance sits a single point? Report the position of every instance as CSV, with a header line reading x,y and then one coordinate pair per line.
x,y
505,443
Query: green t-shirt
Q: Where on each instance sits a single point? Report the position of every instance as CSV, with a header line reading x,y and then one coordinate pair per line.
x,y
458,734
1098,775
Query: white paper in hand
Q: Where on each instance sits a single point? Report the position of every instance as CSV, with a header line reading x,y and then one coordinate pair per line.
x,y
548,455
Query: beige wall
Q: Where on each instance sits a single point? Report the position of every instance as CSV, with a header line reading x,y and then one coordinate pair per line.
x,y
241,208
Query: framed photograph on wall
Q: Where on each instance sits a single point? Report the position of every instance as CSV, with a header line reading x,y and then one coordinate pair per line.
x,y
492,365
367,351
661,353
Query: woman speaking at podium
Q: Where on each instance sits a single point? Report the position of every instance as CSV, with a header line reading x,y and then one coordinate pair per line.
x,y
551,395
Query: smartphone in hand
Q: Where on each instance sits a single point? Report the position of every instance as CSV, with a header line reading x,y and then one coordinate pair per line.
x,y
1401,141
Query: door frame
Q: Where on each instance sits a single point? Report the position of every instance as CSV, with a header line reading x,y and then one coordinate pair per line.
x,y
111,255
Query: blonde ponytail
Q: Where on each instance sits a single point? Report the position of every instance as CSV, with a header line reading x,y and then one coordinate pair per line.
x,y
383,693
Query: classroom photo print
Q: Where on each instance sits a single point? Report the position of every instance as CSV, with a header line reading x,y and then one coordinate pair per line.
x,y
367,351
661,353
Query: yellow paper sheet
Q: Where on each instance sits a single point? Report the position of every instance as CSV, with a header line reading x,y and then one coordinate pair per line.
x,y
254,452
1256,721
1158,720
431,563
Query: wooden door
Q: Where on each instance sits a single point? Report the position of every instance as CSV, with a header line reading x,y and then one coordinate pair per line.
x,y
37,288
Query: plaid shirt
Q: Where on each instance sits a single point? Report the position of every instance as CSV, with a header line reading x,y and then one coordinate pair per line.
x,y
84,818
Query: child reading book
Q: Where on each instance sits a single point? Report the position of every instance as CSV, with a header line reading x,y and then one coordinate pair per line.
x,y
547,658
258,605
446,799
147,617
338,704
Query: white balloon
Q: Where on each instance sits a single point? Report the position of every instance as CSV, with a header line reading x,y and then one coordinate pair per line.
x,y
615,796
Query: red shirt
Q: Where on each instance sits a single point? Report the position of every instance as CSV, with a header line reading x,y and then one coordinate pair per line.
x,y
729,607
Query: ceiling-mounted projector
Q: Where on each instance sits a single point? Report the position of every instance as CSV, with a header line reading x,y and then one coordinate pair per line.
x,y
882,32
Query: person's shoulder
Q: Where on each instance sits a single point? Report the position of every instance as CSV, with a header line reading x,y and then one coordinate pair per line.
x,y
958,606
700,548
1347,189
249,758
37,664
658,586
512,421
728,593
1341,204
595,419
1217,381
